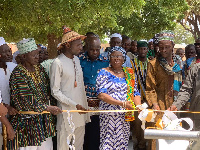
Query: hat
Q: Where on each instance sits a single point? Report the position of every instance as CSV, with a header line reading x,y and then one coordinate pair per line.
x,y
166,35
26,45
151,40
116,35
2,41
142,44
69,35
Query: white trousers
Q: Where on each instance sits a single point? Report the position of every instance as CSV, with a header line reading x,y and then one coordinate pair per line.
x,y
62,138
46,145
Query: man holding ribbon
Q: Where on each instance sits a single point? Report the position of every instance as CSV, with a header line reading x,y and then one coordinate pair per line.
x,y
30,91
191,90
164,75
67,87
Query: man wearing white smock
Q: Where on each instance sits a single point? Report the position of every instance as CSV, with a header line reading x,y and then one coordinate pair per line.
x,y
67,87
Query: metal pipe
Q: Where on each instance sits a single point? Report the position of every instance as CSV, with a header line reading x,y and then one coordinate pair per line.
x,y
171,135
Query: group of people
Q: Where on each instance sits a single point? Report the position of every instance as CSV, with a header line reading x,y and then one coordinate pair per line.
x,y
125,75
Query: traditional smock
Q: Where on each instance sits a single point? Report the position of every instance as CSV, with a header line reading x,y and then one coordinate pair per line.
x,y
30,91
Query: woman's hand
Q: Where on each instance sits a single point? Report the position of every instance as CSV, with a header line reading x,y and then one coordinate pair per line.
x,y
128,105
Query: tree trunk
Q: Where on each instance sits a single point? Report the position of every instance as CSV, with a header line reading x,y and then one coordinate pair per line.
x,y
53,41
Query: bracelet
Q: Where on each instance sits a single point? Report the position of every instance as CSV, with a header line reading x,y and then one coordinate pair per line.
x,y
125,105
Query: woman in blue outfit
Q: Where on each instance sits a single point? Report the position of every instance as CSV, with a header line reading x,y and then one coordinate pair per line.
x,y
113,89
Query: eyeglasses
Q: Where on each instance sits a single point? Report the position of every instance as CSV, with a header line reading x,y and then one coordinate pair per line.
x,y
117,56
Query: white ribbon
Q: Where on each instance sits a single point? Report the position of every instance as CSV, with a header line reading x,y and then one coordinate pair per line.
x,y
144,113
71,136
171,121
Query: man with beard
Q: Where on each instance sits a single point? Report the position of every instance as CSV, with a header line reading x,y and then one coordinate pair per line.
x,y
91,62
164,75
67,87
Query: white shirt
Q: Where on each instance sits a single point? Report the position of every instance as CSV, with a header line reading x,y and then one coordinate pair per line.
x,y
62,78
4,83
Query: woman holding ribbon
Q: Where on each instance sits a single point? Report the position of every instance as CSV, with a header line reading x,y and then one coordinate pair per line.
x,y
117,90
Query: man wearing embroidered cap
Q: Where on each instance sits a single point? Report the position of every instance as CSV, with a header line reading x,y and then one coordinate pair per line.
x,y
164,75
30,91
67,87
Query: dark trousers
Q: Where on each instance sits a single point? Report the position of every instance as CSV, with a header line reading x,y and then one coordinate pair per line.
x,y
92,134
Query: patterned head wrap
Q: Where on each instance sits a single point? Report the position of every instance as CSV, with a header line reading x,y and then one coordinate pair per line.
x,y
69,36
119,49
26,45
142,44
2,41
166,35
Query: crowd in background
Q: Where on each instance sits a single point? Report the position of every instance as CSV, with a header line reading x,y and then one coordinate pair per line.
x,y
123,76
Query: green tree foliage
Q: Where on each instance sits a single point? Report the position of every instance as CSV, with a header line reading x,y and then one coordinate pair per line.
x,y
39,18
43,19
156,15
182,35
191,21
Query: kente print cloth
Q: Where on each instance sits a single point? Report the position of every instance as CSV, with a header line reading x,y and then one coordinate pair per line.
x,y
130,80
30,92
141,72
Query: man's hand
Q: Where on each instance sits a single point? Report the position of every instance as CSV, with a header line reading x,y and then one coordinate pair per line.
x,y
172,108
54,110
11,110
10,132
156,107
80,107
3,110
